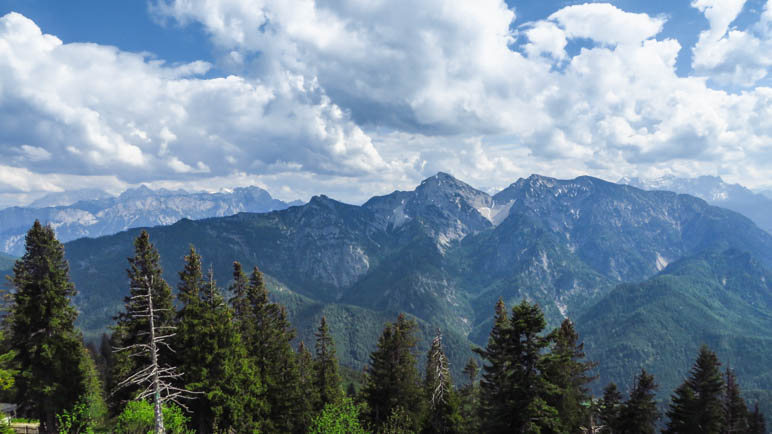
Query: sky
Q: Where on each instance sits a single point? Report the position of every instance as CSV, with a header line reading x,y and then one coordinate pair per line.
x,y
354,98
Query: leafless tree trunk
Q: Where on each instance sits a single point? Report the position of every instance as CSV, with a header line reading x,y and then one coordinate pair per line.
x,y
156,379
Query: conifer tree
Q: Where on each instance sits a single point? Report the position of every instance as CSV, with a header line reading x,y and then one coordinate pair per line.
x,y
130,329
48,349
392,381
326,377
610,408
697,404
443,403
495,379
567,370
639,414
735,410
211,356
267,335
306,383
756,422
470,399
530,387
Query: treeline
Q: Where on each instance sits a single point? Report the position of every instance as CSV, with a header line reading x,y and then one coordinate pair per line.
x,y
232,368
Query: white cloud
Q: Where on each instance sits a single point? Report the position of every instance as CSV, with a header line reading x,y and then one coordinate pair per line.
x,y
729,56
384,93
97,110
607,24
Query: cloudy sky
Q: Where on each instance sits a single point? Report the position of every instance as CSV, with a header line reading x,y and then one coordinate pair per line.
x,y
360,97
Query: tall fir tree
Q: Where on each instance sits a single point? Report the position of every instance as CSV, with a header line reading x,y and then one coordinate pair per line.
x,y
470,398
609,409
735,409
495,378
756,422
567,369
52,375
697,404
639,414
212,357
327,380
392,384
267,336
307,384
144,269
443,414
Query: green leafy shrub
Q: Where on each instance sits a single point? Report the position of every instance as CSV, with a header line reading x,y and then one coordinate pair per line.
x,y
138,418
340,418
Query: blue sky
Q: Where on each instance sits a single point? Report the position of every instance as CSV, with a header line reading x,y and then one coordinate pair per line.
x,y
353,98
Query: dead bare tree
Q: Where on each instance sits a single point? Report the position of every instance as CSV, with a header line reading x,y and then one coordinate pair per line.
x,y
157,380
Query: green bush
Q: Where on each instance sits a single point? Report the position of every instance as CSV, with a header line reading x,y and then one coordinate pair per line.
x,y
340,418
138,417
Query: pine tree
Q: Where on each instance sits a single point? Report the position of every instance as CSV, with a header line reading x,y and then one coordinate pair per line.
x,y
610,408
48,349
307,385
756,422
639,413
392,379
211,355
495,379
130,330
326,377
697,404
267,335
470,399
567,370
735,410
443,402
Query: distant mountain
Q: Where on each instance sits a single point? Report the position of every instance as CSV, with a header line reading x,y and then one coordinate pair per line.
x,y
444,253
756,206
66,198
133,208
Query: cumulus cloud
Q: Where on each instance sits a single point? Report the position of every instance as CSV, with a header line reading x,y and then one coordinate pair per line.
x,y
731,56
321,93
99,110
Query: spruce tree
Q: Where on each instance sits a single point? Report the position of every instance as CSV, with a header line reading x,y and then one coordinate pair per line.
x,y
495,377
267,335
610,409
470,399
392,385
443,403
531,388
211,356
697,404
639,414
307,384
735,410
326,377
130,329
756,422
48,349
567,370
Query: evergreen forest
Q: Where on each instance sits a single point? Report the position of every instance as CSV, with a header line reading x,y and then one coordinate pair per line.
x,y
203,358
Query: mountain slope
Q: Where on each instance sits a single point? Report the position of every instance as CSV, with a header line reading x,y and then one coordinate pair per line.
x,y
446,252
134,208
721,297
713,189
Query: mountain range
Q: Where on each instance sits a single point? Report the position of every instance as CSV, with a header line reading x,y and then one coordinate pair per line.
x,y
713,189
102,214
647,276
